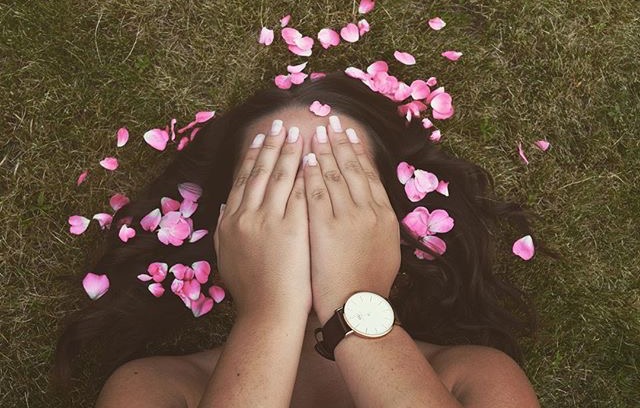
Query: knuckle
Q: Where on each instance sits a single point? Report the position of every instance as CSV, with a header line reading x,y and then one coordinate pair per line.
x,y
353,165
371,175
298,194
270,146
258,170
241,180
279,175
318,194
332,175
343,141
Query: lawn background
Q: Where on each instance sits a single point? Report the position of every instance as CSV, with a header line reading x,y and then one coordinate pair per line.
x,y
72,73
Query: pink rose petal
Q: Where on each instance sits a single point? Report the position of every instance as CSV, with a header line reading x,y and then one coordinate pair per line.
x,y
542,144
317,75
439,221
201,270
79,224
521,154
419,89
294,69
285,20
405,57
289,35
173,229
443,188
201,306
328,38
363,27
413,194
173,128
404,171
298,77
109,163
197,235
426,123
144,277
217,293
156,289
122,137
179,270
452,55
354,72
350,33
82,177
426,182
103,219
366,6
117,201
523,247
157,138
158,271
190,191
435,244
435,136
377,66
436,23
266,36
168,204
95,285
283,81
151,221
187,208
320,109
126,233
182,143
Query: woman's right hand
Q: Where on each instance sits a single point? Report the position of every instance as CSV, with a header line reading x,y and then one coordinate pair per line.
x,y
262,237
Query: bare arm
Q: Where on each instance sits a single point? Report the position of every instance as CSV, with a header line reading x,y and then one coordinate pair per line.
x,y
259,361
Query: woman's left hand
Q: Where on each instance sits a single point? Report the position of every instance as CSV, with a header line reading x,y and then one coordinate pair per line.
x,y
353,231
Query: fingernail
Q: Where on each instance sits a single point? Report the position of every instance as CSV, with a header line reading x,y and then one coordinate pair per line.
x,y
222,206
321,134
312,161
292,136
276,126
351,134
305,159
335,123
257,141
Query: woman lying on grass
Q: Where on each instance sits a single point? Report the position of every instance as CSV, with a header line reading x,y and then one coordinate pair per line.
x,y
318,210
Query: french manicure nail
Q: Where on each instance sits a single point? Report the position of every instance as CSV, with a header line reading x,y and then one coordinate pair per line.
x,y
257,141
276,126
312,161
292,136
222,206
335,123
351,134
321,134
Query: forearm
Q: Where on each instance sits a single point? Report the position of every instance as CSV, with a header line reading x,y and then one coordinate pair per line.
x,y
390,372
259,362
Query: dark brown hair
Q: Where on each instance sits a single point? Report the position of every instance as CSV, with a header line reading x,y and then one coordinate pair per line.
x,y
454,299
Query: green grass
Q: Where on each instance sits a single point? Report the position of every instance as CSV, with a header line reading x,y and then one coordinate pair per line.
x,y
72,73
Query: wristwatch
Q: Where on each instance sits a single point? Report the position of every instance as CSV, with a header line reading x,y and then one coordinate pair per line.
x,y
366,314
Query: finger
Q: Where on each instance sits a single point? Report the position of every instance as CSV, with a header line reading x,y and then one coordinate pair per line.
x,y
318,200
378,191
349,164
237,190
284,174
261,171
297,204
216,243
333,179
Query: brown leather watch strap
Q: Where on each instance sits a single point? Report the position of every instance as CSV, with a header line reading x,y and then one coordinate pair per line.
x,y
334,330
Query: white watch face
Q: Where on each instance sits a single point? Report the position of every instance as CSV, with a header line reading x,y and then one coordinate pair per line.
x,y
369,314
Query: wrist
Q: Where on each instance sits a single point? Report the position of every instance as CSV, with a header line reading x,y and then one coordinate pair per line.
x,y
280,314
327,307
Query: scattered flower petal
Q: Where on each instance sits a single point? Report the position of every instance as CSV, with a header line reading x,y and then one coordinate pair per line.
x,y
173,229
443,188
190,191
437,23
95,285
117,201
542,144
435,136
366,6
82,177
426,182
523,247
320,109
109,163
151,221
521,154
404,172
187,208
363,27
169,204
157,138
201,306
201,270
434,243
122,137
283,81
217,293
158,271
103,219
266,36
328,38
405,57
350,33
79,224
285,20
197,235
126,233
452,55
156,289
426,123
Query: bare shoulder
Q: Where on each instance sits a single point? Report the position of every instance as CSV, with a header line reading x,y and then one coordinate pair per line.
x,y
482,376
129,385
